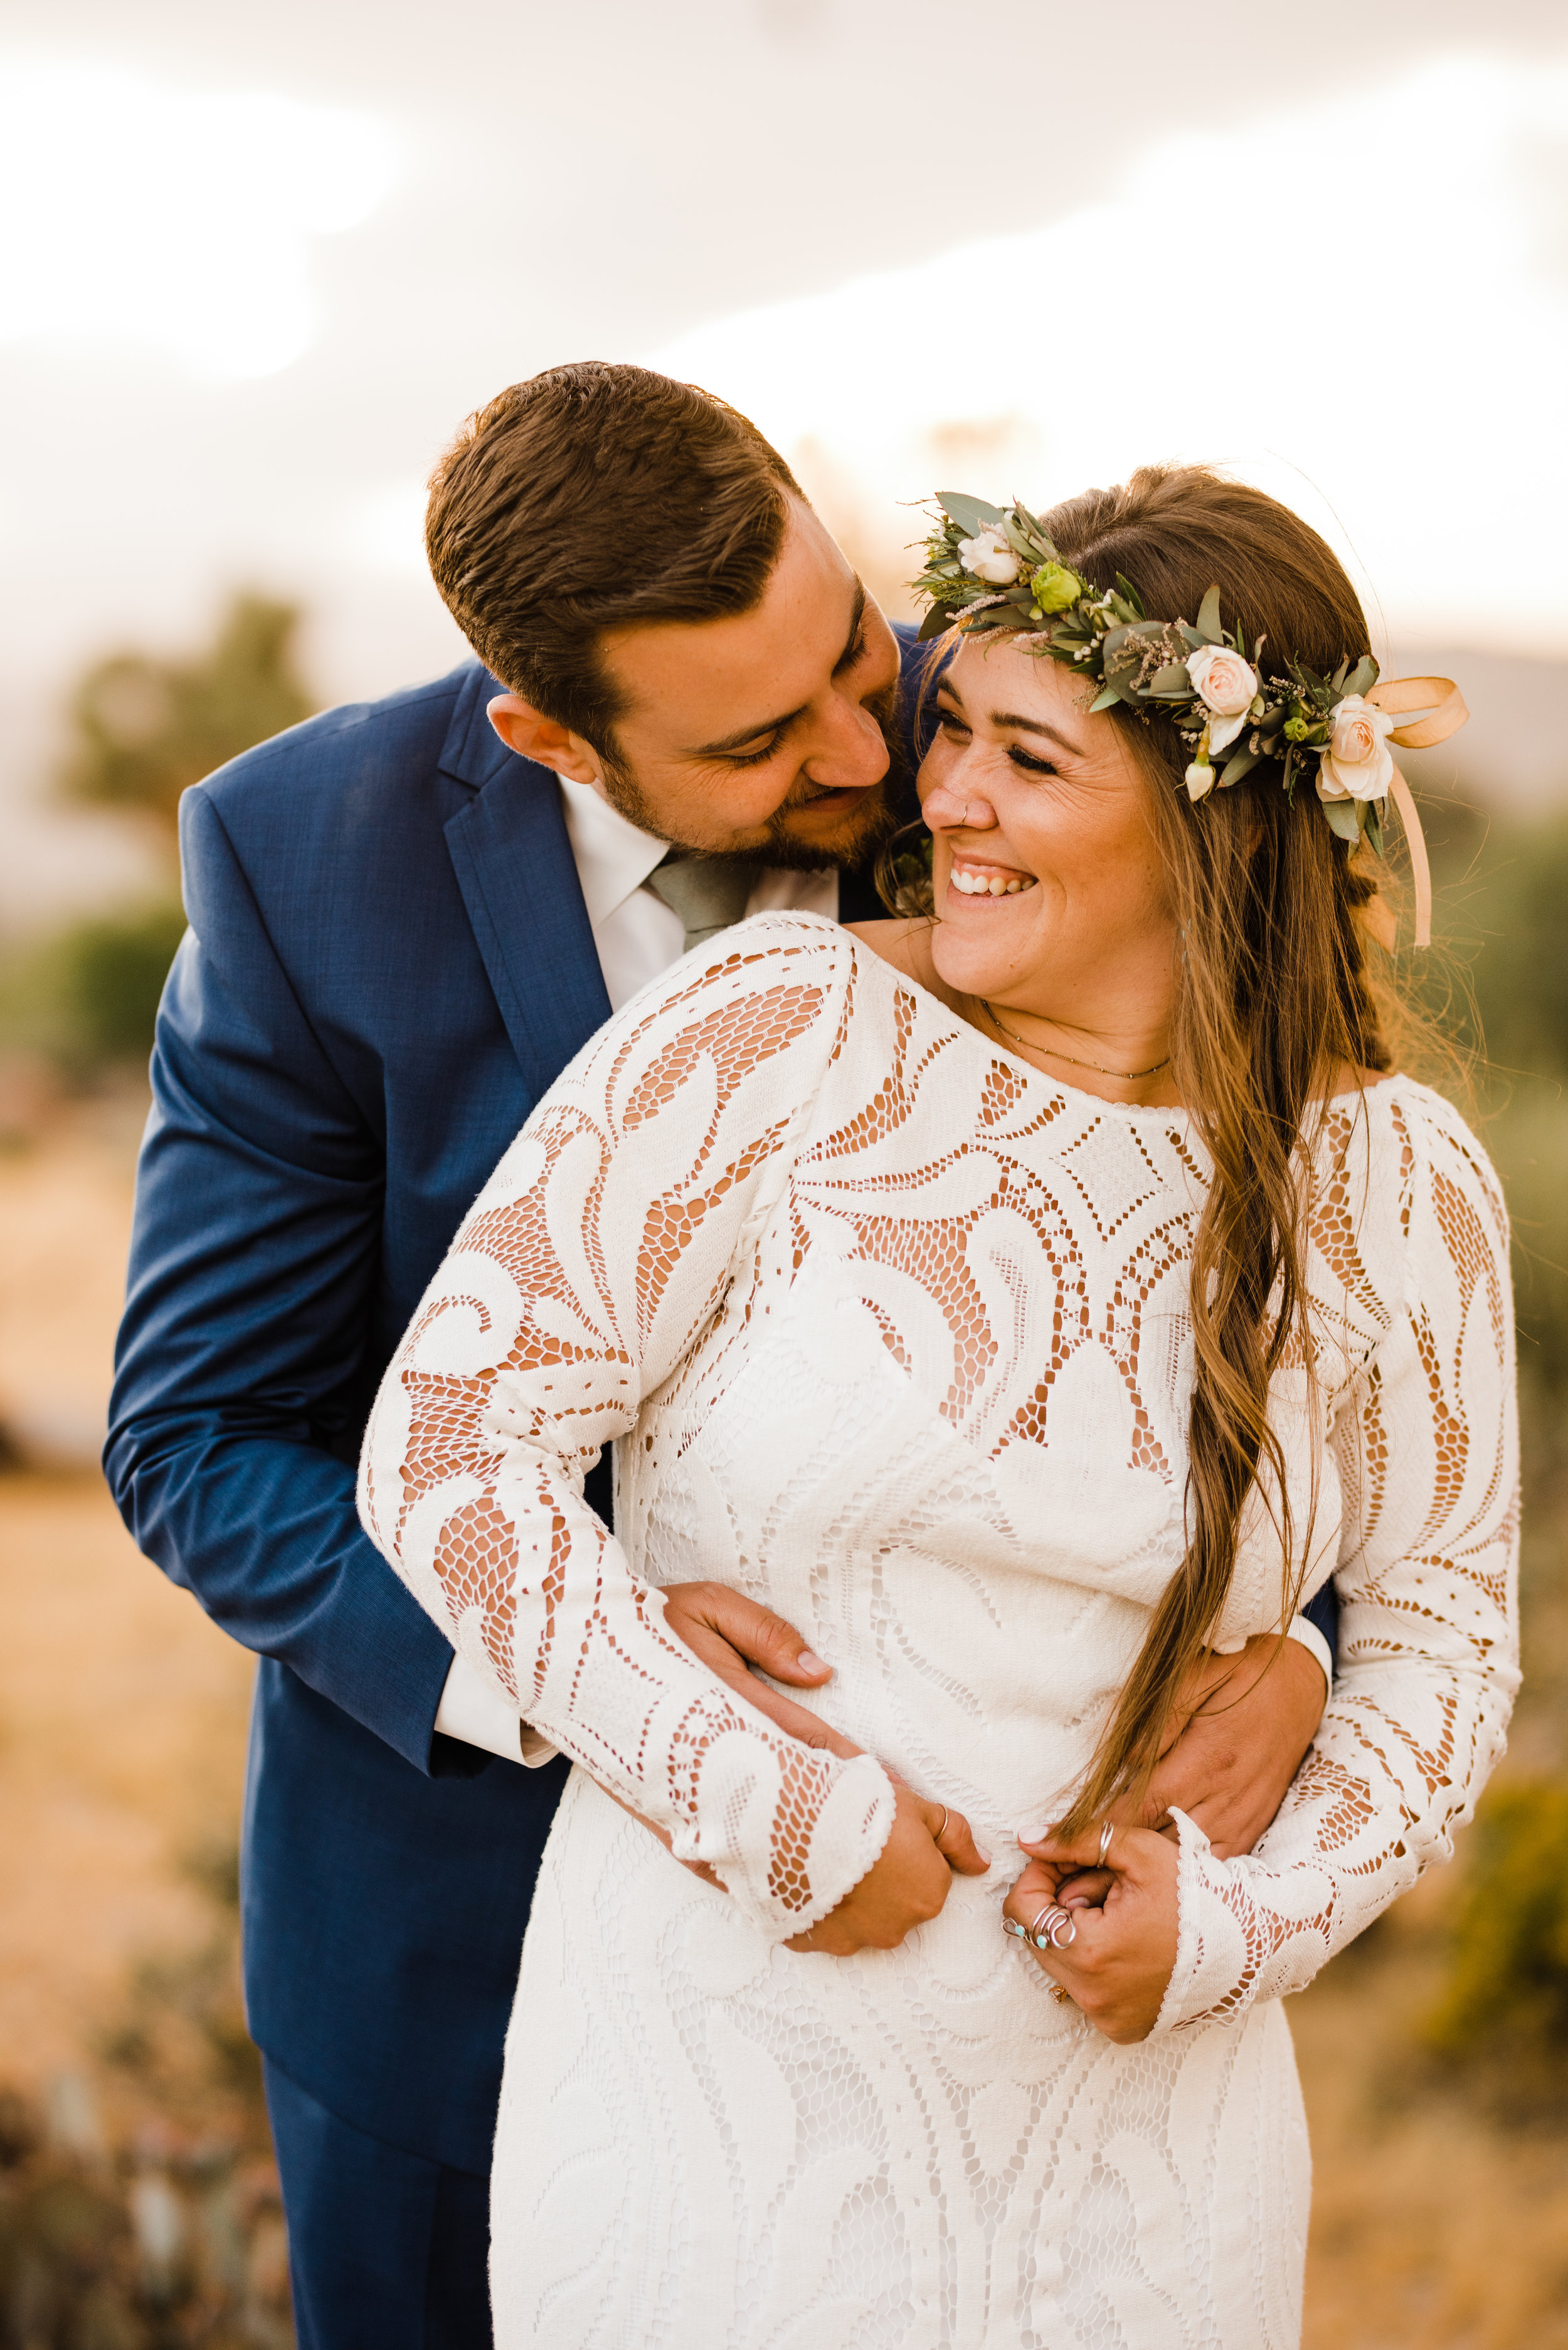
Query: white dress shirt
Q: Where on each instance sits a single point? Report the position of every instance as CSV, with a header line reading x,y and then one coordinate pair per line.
x,y
638,936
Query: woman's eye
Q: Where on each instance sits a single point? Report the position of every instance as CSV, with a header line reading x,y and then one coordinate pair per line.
x,y
1030,765
951,723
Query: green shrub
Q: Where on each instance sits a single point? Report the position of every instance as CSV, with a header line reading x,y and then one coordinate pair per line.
x,y
1503,2012
111,974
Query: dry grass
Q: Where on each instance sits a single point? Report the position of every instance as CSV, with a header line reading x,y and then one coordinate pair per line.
x,y
1434,2225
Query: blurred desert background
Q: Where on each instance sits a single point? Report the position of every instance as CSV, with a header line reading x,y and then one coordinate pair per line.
x,y
251,281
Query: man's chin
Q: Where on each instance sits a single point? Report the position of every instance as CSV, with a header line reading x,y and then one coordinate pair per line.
x,y
846,831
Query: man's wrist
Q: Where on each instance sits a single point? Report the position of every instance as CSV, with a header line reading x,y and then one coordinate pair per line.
x,y
1311,1638
473,1710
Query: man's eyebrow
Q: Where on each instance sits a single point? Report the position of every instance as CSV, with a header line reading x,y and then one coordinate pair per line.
x,y
857,619
744,734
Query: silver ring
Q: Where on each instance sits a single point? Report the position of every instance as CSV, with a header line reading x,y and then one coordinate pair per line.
x,y
1012,1925
1107,1833
1046,1931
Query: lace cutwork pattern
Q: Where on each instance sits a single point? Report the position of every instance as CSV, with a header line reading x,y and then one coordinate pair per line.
x,y
891,1333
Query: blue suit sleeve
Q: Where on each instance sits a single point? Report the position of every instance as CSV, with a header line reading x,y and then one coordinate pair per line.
x,y
1322,1609
243,1369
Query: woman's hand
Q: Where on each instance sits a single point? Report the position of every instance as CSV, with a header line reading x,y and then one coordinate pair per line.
x,y
1119,1962
907,1885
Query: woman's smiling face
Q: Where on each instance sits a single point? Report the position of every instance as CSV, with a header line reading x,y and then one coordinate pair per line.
x,y
1050,892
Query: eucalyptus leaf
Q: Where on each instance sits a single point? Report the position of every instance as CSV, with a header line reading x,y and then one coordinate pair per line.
x,y
934,623
1190,636
1172,683
1341,814
971,515
1374,827
1241,765
1104,698
1208,627
1363,676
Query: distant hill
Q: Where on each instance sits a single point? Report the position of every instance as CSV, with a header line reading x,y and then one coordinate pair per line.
x,y
1513,755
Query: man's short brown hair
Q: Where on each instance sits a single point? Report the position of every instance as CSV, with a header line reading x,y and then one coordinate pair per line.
x,y
590,496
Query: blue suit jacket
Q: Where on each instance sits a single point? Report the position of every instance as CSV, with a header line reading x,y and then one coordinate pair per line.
x,y
388,961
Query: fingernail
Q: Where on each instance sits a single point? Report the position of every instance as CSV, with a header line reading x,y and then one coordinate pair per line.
x,y
810,1663
1033,1835
984,1856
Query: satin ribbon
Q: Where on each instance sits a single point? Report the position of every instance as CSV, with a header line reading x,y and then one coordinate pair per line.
x,y
1447,712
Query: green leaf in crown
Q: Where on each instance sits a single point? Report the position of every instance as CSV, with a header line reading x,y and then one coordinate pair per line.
x,y
995,568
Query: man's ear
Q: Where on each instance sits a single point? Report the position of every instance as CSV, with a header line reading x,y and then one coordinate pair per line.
x,y
531,735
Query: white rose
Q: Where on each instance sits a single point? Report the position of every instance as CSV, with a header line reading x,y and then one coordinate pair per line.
x,y
1356,762
1226,685
990,557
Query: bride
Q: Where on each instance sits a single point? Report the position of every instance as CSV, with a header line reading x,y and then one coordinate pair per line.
x,y
1020,1296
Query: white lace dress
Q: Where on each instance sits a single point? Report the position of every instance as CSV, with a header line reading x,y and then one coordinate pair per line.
x,y
890,1331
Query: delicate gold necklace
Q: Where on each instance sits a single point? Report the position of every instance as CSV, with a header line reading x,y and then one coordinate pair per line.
x,y
1124,1075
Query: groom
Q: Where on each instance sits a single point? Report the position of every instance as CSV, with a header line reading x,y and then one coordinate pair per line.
x,y
405,919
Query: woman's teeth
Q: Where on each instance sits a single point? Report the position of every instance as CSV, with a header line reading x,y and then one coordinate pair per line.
x,y
989,885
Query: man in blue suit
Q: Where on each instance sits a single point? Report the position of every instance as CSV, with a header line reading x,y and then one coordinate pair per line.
x,y
405,919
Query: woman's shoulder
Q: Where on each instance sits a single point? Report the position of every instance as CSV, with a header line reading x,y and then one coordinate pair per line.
x,y
790,968
1437,1146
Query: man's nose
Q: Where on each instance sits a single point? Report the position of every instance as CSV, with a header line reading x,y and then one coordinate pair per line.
x,y
852,754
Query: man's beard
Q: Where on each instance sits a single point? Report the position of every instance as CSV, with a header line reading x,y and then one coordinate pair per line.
x,y
869,821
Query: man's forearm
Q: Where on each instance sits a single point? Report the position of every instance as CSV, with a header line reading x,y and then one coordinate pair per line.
x,y
264,1531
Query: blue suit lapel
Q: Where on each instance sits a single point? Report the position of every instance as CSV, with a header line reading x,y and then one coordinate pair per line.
x,y
512,859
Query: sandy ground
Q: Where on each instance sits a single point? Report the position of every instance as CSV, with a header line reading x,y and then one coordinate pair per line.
x,y
123,1710
123,1722
122,1727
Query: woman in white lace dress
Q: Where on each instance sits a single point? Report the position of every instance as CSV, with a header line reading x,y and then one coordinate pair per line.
x,y
962,1291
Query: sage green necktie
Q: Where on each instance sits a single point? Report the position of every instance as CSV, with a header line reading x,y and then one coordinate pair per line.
x,y
709,893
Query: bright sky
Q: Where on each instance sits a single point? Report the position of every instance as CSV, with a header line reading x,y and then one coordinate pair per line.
x,y
255,268
110,242
1361,304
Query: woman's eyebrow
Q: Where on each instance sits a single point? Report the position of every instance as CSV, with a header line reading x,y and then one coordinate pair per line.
x,y
1032,726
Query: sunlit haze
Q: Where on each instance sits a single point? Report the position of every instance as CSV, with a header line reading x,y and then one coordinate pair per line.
x,y
138,212
1361,305
257,270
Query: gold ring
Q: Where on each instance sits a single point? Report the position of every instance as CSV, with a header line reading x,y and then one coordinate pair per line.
x,y
1107,1833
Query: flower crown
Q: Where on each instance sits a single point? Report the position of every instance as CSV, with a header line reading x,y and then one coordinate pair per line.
x,y
990,568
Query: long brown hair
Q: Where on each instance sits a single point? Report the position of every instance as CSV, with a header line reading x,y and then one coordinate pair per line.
x,y
1274,995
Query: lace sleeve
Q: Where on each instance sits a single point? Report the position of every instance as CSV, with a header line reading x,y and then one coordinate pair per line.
x,y
1426,1447
583,1275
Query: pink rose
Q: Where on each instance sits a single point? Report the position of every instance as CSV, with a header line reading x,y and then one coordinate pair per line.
x,y
1356,762
1226,685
